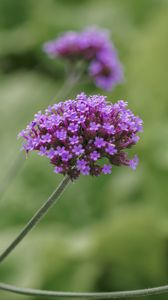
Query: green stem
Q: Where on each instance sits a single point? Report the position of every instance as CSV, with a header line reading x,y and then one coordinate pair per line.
x,y
103,295
36,218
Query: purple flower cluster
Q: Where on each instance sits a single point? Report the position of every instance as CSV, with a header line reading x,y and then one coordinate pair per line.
x,y
93,46
86,136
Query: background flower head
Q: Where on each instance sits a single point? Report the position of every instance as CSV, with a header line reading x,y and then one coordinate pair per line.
x,y
93,46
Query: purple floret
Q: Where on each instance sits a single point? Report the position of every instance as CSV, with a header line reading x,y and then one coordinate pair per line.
x,y
106,169
102,131
95,48
106,69
94,155
99,142
134,162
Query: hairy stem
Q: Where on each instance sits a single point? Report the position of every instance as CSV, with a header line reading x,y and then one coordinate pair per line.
x,y
103,295
36,218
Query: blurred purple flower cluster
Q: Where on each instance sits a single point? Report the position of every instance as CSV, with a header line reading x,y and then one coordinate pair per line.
x,y
93,46
76,134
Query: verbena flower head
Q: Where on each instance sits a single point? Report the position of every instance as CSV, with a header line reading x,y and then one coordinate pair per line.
x,y
93,46
86,136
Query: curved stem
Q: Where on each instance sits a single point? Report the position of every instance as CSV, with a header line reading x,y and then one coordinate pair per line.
x,y
103,295
36,218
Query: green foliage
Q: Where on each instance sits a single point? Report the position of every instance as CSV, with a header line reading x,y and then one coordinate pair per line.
x,y
107,233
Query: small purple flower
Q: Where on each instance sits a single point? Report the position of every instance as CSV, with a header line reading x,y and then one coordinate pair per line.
x,y
43,151
66,155
109,128
135,138
73,116
111,149
57,119
85,170
77,147
51,153
74,140
58,169
123,126
99,142
93,126
81,106
60,150
106,169
94,155
46,138
73,127
37,141
83,167
81,163
134,162
81,119
61,134
92,46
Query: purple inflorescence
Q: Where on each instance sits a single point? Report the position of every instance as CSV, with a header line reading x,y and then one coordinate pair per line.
x,y
95,48
77,134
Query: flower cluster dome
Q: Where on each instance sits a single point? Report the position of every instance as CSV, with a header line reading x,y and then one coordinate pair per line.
x,y
93,46
87,135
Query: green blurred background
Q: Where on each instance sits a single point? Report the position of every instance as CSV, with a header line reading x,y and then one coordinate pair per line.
x,y
107,233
